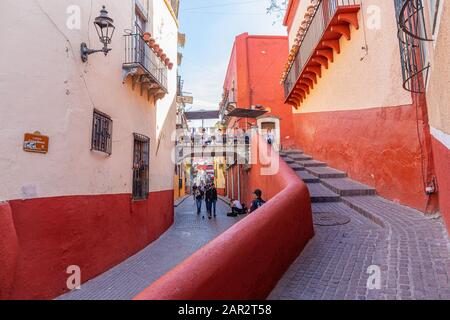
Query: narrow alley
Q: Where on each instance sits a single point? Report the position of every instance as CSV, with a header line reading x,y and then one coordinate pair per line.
x,y
319,128
188,234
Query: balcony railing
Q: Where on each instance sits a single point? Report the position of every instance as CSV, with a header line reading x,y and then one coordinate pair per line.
x,y
142,61
413,36
234,147
324,13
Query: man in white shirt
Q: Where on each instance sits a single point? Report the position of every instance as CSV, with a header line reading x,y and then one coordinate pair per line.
x,y
236,208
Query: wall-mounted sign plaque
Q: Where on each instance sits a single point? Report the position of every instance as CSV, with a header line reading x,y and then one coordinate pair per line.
x,y
185,99
35,142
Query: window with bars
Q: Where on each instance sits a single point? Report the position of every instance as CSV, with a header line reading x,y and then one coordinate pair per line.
x,y
141,161
101,132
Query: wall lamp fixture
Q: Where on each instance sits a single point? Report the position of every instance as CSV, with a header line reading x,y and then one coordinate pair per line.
x,y
105,30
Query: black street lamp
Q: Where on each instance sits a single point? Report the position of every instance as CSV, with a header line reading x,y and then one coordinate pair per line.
x,y
105,30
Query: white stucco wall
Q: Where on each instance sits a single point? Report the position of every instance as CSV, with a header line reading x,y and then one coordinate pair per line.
x,y
165,31
438,93
298,19
45,87
357,80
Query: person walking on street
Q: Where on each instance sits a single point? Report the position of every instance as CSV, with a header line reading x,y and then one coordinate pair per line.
x,y
198,195
211,200
208,200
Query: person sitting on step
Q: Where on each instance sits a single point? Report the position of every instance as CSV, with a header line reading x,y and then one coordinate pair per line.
x,y
236,208
258,201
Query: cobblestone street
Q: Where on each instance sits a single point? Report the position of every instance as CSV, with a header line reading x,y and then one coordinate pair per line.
x,y
189,233
412,251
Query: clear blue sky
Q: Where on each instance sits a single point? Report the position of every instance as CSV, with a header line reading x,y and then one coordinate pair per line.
x,y
210,27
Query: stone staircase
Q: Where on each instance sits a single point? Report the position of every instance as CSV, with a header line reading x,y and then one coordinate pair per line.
x,y
328,185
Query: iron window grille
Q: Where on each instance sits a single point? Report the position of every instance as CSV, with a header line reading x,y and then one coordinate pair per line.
x,y
102,125
141,161
412,34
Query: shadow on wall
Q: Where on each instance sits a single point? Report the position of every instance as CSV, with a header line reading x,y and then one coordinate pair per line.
x,y
246,261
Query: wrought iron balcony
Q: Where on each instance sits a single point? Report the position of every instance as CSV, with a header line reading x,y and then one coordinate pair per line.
x,y
325,23
144,66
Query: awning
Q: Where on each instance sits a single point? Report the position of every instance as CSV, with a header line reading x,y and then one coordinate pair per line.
x,y
202,115
246,113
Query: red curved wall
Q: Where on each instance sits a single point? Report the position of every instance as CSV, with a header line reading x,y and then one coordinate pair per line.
x,y
379,147
93,232
246,261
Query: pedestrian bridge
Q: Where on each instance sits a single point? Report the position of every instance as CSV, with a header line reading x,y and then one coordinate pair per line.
x,y
235,152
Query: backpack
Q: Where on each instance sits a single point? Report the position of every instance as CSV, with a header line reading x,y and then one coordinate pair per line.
x,y
259,203
198,194
256,204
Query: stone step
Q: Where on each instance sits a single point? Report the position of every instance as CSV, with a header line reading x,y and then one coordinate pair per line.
x,y
372,207
387,213
347,187
307,177
326,172
296,167
294,151
319,193
300,157
312,163
289,160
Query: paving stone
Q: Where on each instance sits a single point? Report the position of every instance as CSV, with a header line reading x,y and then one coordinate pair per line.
x,y
189,233
400,240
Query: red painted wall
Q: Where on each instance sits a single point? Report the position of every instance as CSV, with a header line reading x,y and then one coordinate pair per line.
x,y
93,232
246,261
379,147
9,250
442,166
254,67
